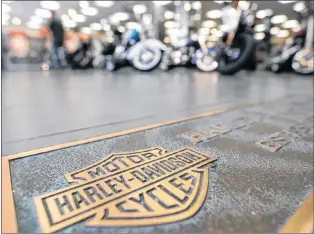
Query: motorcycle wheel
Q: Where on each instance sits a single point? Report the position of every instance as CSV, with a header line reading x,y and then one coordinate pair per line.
x,y
206,63
141,65
302,62
248,49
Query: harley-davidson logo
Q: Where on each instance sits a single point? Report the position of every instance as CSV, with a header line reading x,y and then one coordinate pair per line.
x,y
129,189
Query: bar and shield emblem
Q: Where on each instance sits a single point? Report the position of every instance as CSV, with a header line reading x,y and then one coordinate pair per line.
x,y
141,188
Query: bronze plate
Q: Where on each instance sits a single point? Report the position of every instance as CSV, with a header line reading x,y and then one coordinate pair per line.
x,y
135,189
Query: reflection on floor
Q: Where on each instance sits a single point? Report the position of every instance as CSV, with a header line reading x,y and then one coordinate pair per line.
x,y
42,109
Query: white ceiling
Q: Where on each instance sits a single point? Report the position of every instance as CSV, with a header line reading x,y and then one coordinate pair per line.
x,y
25,9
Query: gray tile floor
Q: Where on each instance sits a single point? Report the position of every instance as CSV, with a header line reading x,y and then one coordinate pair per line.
x,y
43,109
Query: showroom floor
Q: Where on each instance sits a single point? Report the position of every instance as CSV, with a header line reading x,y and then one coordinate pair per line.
x,y
43,109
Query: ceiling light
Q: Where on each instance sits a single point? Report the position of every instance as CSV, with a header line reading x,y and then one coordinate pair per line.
x,y
79,18
95,26
259,36
104,3
86,30
133,25
43,13
278,19
36,19
71,12
245,5
299,6
285,2
170,24
65,17
33,25
50,5
119,16
209,24
213,14
169,15
70,24
283,33
187,6
139,9
219,2
121,29
91,11
7,1
103,21
122,16
261,14
106,27
16,21
260,28
290,24
274,30
161,3
6,8
83,4
197,5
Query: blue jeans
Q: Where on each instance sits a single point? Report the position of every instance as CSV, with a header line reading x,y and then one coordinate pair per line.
x,y
57,55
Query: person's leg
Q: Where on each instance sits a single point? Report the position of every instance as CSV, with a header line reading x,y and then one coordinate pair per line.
x,y
58,59
61,54
56,56
54,62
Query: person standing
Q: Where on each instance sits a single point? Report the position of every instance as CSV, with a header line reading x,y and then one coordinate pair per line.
x,y
230,19
56,27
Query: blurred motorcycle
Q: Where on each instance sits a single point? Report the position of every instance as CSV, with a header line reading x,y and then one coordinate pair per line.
x,y
236,51
282,59
100,51
119,56
143,55
292,56
303,60
146,55
82,58
205,57
176,56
